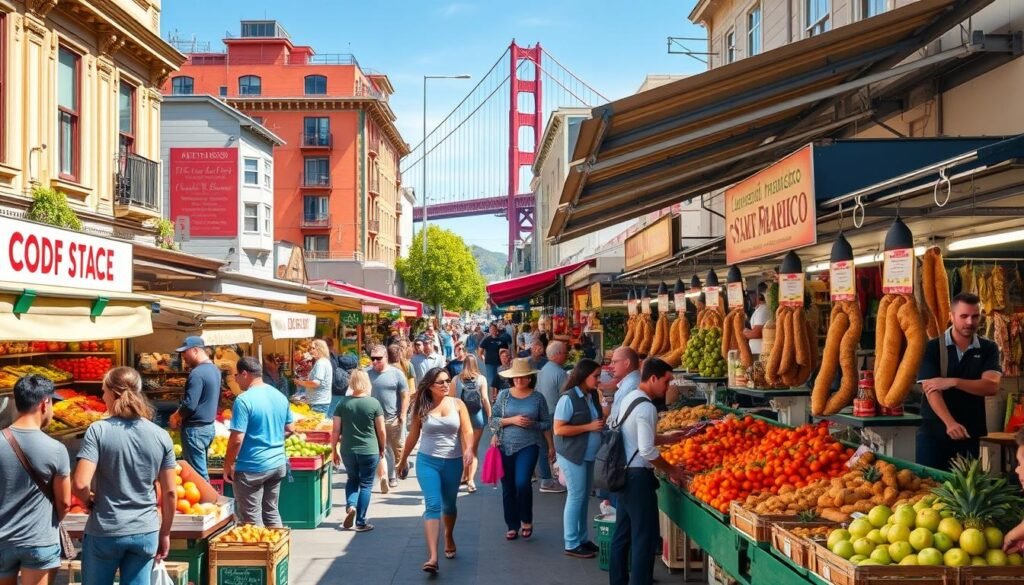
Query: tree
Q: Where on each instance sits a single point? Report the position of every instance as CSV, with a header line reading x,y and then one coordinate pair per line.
x,y
51,207
448,275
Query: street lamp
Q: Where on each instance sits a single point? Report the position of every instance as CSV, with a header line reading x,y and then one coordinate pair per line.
x,y
423,160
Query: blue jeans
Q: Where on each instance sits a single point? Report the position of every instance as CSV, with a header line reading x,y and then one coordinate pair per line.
x,y
579,480
195,442
544,467
360,470
321,408
516,486
439,481
636,530
36,558
102,556
491,371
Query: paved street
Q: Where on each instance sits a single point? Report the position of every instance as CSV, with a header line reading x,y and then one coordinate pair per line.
x,y
393,553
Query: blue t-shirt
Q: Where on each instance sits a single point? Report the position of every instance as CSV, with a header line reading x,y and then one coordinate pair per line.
x,y
261,413
563,412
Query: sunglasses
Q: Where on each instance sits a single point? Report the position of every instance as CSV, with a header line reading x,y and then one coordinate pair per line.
x,y
444,382
376,358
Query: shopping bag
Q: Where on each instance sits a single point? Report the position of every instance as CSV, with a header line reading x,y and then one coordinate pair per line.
x,y
160,576
556,471
493,470
1016,418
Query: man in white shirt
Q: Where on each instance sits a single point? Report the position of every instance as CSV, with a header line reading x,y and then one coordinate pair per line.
x,y
626,371
550,379
758,318
636,514
423,362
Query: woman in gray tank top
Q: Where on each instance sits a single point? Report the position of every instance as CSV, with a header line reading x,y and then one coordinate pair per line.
x,y
446,448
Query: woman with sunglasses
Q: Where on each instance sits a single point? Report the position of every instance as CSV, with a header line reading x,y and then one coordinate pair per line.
x,y
446,450
520,423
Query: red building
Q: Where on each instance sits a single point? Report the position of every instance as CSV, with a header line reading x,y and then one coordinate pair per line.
x,y
336,181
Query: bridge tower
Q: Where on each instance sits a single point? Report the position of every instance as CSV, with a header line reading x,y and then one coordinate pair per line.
x,y
525,80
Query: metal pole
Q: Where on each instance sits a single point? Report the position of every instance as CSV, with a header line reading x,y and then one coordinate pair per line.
x,y
423,161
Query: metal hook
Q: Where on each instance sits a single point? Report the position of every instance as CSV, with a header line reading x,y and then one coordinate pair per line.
x,y
840,217
858,204
949,188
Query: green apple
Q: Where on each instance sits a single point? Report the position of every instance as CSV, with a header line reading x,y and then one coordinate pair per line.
x,y
909,560
973,542
1015,559
856,559
876,537
929,556
905,515
956,557
899,551
868,563
994,537
836,536
920,539
979,562
879,515
942,541
951,527
859,528
898,533
996,557
884,531
843,548
863,546
881,556
928,518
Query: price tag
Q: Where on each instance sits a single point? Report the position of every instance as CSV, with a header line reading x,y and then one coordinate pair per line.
x,y
711,296
645,305
787,547
680,302
631,307
791,290
663,303
734,290
841,281
898,272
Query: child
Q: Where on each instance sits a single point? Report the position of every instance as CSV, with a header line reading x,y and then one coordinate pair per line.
x,y
1014,540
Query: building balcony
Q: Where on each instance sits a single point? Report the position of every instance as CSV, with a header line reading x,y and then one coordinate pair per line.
x,y
137,188
316,181
315,222
398,208
373,226
316,141
332,255
373,184
373,147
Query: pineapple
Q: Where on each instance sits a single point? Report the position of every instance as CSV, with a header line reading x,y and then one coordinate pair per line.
x,y
808,515
978,499
872,474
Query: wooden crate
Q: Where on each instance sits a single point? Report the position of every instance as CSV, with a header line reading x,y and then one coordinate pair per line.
x,y
798,549
177,571
257,563
673,546
839,571
756,526
995,575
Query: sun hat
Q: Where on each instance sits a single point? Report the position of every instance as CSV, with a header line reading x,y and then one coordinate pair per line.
x,y
520,368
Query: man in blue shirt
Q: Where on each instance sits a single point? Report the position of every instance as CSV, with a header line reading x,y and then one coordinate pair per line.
x,y
198,408
255,463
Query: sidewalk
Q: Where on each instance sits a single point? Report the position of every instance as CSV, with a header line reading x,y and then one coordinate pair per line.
x,y
393,552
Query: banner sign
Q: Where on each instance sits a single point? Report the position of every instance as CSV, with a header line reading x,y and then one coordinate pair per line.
x,y
351,318
655,242
31,253
204,188
773,211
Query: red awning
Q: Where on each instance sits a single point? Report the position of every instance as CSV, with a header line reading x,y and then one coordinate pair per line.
x,y
524,286
404,304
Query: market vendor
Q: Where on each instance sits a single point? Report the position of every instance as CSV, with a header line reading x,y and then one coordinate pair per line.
x,y
273,374
955,387
758,319
198,408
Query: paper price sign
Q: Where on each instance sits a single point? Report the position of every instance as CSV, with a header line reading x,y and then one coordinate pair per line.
x,y
680,299
898,272
645,304
841,281
735,294
791,290
711,296
663,303
631,307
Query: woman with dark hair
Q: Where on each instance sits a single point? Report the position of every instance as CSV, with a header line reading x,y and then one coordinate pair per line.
x,y
520,425
577,430
471,389
446,450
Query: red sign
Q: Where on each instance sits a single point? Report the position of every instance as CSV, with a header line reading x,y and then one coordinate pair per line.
x,y
204,188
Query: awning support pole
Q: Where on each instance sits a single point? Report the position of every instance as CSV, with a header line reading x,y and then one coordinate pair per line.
x,y
98,306
24,302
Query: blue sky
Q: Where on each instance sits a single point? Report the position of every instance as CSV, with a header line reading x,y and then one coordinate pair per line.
x,y
610,45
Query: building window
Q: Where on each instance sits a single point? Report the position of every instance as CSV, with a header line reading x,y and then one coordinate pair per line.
x,y
249,85
257,119
730,46
266,173
314,208
126,118
252,218
871,8
223,91
817,16
315,244
266,219
182,85
252,171
754,31
316,132
316,85
68,63
317,172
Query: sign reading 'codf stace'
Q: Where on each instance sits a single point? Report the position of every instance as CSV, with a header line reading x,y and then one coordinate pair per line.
x,y
772,211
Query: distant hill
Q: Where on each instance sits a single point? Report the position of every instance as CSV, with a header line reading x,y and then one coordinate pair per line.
x,y
492,264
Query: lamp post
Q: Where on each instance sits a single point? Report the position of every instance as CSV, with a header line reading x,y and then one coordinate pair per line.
x,y
423,161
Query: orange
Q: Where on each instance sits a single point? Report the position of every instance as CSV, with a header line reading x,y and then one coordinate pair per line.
x,y
183,507
177,480
192,494
177,469
179,492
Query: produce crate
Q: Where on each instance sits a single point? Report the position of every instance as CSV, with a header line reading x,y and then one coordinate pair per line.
x,y
604,529
798,549
256,563
305,463
756,526
839,571
179,572
321,437
676,549
194,558
995,575
306,499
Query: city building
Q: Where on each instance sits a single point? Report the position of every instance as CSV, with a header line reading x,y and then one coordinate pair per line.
x,y
337,182
218,160
80,108
405,224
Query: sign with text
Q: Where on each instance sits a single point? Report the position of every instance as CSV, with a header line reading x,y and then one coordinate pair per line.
x,y
791,290
734,292
595,295
841,281
679,300
711,294
204,188
34,254
284,325
651,244
773,211
898,272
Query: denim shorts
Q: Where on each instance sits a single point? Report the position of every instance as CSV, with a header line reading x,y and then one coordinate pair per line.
x,y
40,558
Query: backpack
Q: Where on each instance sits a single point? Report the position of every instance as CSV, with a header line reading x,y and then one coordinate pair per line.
x,y
339,383
469,393
610,464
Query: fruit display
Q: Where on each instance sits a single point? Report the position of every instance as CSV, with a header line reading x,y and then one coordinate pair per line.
x,y
899,348
647,332
812,532
709,317
90,368
21,347
844,331
248,533
79,411
661,343
53,374
310,422
721,440
678,337
794,353
686,416
732,337
300,408
704,353
87,401
149,363
935,290
296,446
631,331
189,497
7,380
219,447
176,441
56,426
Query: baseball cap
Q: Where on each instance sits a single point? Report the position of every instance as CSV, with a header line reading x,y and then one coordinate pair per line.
x,y
190,342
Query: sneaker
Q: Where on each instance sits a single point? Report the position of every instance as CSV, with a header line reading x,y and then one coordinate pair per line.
x,y
550,486
393,483
350,517
580,552
364,528
591,547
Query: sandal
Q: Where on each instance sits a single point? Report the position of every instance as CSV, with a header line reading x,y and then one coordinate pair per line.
x,y
512,535
471,487
526,531
429,567
449,554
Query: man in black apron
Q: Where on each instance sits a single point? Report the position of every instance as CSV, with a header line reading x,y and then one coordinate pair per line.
x,y
956,382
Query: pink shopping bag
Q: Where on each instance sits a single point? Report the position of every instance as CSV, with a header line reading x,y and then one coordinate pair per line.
x,y
493,470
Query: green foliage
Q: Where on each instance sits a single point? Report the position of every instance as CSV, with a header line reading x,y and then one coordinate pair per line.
x,y
51,207
448,275
165,234
492,264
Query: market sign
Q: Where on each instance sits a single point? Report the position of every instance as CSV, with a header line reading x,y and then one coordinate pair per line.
x,y
204,188
35,254
351,318
595,295
655,242
284,325
773,211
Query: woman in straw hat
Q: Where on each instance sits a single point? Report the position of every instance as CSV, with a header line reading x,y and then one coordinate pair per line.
x,y
520,423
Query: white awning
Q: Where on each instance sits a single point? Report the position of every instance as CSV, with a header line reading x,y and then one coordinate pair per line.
x,y
67,314
282,324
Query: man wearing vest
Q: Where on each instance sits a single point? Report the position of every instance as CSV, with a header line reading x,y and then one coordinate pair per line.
x,y
955,386
636,515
